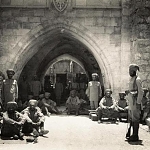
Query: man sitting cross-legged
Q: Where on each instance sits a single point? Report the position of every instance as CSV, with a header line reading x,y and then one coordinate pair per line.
x,y
49,106
73,102
107,106
12,122
34,120
122,106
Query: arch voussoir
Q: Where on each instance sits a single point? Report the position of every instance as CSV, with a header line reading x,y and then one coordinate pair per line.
x,y
38,36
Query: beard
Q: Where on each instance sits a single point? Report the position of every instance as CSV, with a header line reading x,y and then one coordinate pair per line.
x,y
133,74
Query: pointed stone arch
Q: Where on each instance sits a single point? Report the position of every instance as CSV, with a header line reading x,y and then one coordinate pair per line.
x,y
38,36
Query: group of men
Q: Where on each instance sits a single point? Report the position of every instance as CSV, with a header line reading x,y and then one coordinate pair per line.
x,y
107,104
134,95
16,124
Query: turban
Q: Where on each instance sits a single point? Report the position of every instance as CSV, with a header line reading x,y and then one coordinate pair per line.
x,y
145,90
108,90
73,92
12,105
1,78
33,102
10,70
94,74
41,96
122,93
47,94
134,67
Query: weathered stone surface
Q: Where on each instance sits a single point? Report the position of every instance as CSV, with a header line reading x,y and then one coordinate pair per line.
x,y
89,21
34,19
116,13
107,13
105,26
109,30
39,12
27,12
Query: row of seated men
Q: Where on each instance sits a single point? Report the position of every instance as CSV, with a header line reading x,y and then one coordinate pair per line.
x,y
110,108
107,106
48,106
15,125
31,119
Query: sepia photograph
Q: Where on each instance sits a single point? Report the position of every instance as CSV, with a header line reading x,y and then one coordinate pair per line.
x,y
75,74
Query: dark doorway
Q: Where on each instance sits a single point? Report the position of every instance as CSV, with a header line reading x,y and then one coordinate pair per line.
x,y
63,79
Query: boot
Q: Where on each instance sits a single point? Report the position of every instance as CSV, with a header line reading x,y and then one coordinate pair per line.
x,y
134,137
99,115
129,130
35,133
43,132
21,135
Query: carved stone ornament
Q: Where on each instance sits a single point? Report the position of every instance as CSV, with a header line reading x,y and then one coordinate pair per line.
x,y
60,5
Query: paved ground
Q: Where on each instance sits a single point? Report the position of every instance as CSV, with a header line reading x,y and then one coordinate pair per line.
x,y
80,133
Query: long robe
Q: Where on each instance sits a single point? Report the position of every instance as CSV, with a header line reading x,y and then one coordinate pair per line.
x,y
24,90
10,90
94,91
36,88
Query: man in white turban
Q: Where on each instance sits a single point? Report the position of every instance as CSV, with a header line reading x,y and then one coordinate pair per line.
x,y
34,119
94,91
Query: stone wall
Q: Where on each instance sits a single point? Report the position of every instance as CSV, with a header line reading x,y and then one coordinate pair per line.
x,y
108,25
140,21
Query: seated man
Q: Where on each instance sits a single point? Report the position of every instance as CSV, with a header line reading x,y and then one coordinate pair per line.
x,y
34,120
40,103
107,106
26,103
48,106
73,102
12,122
122,105
146,115
144,108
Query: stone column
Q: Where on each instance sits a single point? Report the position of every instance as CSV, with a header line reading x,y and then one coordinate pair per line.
x,y
125,44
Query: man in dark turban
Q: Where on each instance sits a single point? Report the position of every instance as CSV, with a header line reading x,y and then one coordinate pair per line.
x,y
134,96
12,122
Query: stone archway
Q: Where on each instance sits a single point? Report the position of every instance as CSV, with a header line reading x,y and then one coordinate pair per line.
x,y
40,35
64,57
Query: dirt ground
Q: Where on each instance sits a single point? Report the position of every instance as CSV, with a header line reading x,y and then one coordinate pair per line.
x,y
80,133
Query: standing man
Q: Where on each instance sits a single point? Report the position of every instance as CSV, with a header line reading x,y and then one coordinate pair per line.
x,y
10,88
134,96
36,87
1,87
24,89
94,91
58,91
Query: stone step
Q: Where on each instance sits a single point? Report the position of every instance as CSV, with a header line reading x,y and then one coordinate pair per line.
x,y
92,110
91,114
94,117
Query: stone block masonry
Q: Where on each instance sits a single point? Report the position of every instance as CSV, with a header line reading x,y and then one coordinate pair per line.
x,y
108,26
